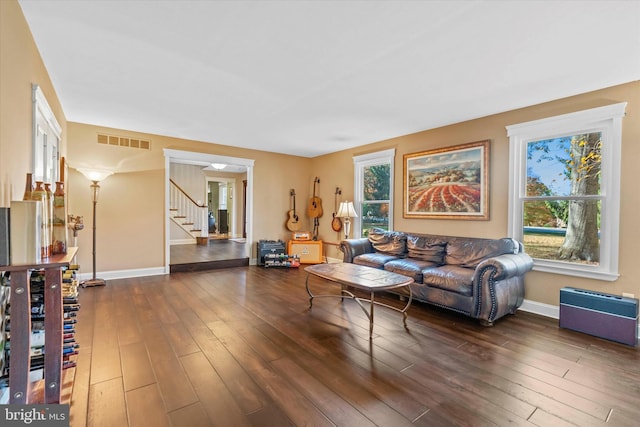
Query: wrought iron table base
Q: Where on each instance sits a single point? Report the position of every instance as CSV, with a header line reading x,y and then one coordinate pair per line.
x,y
372,302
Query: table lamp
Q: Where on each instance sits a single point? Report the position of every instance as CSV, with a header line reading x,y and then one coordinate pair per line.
x,y
347,211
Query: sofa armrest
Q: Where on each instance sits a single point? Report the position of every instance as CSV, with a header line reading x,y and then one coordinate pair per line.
x,y
506,266
351,248
499,286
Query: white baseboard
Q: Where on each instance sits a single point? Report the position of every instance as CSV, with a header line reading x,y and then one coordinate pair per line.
x,y
124,274
183,242
546,310
551,311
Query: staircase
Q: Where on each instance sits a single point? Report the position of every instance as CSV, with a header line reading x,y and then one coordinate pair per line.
x,y
187,213
185,223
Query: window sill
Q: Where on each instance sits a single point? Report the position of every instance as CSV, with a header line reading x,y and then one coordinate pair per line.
x,y
573,270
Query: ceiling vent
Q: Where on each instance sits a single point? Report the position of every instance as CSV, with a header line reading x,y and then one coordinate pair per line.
x,y
123,141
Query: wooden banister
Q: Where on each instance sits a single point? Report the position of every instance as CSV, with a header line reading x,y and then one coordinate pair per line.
x,y
186,195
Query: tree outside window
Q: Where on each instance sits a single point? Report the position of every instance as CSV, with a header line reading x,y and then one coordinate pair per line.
x,y
375,205
373,192
561,214
564,187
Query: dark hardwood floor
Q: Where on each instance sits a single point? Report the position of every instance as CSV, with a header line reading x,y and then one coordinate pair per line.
x,y
239,347
219,253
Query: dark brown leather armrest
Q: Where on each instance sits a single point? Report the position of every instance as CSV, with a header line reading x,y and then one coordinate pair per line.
x,y
351,248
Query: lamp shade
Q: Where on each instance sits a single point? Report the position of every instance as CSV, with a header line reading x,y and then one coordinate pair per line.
x,y
347,210
95,175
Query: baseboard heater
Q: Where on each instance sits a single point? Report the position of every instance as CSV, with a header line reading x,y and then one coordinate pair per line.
x,y
607,316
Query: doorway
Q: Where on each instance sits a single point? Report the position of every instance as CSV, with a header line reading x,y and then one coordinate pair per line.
x,y
221,203
240,226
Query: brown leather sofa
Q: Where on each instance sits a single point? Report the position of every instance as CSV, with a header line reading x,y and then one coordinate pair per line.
x,y
481,278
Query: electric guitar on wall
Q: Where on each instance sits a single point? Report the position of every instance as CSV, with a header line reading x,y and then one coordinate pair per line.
x,y
293,222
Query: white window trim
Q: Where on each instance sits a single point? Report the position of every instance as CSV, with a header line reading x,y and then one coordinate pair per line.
x,y
606,119
361,162
42,114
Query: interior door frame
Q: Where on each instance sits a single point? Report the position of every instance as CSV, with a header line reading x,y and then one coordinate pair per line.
x,y
233,232
205,159
244,208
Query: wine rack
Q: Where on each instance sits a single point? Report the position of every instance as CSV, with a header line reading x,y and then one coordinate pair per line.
x,y
38,328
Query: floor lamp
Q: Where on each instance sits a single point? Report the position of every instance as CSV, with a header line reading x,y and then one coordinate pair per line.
x,y
95,176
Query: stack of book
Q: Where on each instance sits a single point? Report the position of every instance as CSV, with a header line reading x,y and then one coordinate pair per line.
x,y
70,309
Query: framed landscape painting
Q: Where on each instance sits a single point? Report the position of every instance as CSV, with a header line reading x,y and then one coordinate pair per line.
x,y
448,183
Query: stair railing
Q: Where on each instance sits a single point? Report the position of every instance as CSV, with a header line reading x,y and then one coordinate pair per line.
x,y
190,209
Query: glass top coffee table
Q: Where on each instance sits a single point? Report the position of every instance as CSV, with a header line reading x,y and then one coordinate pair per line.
x,y
364,278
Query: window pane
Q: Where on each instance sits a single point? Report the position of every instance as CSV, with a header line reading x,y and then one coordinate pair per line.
x,y
563,230
546,213
39,155
564,166
374,215
376,182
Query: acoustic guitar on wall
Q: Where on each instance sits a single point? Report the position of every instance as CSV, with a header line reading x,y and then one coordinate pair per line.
x,y
315,203
336,222
315,209
293,221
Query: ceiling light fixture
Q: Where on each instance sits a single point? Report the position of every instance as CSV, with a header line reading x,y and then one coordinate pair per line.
x,y
218,166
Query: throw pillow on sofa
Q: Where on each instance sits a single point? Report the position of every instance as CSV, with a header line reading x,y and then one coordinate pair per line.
x,y
426,248
388,242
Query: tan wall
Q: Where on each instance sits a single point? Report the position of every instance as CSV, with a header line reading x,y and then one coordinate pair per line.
x,y
20,66
128,237
540,287
136,191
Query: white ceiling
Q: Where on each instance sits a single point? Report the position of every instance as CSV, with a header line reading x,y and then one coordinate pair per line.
x,y
315,77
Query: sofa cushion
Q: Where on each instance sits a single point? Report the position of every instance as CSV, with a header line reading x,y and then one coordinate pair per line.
x,y
409,267
426,248
450,277
375,260
388,242
470,252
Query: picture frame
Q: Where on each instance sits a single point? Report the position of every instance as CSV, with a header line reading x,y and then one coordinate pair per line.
x,y
447,183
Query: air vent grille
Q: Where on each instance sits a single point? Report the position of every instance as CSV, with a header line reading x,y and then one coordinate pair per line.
x,y
123,141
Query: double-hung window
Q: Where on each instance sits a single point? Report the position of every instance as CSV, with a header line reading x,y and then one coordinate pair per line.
x,y
46,139
373,192
565,191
